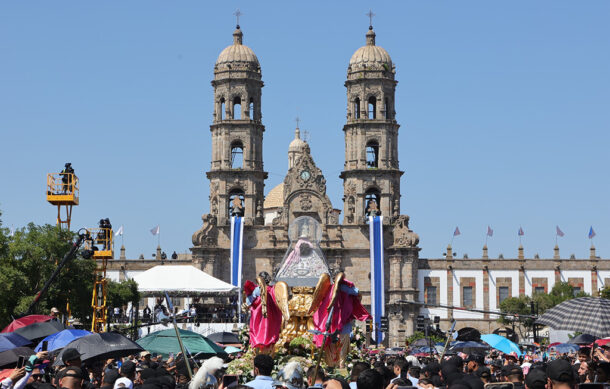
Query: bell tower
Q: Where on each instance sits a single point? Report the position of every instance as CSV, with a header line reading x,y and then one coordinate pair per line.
x,y
236,174
371,176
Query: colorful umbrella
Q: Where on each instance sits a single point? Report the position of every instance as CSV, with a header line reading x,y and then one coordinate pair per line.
x,y
232,350
11,340
501,343
564,348
61,339
164,342
25,321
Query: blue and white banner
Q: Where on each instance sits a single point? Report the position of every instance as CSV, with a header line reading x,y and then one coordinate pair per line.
x,y
377,273
237,233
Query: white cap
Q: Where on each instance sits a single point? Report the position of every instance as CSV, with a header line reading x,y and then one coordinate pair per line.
x,y
123,383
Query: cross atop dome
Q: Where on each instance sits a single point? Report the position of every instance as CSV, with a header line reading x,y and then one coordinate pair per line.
x,y
371,15
237,14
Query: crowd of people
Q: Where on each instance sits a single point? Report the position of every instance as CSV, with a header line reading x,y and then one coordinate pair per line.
x,y
461,371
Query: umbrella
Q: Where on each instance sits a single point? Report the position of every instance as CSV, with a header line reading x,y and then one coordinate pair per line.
x,y
164,342
40,330
9,358
469,333
26,321
590,315
232,350
101,346
468,347
224,337
501,343
602,342
421,343
61,339
11,340
563,348
583,339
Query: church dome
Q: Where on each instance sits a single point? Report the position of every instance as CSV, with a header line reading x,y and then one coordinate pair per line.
x,y
370,56
275,197
237,55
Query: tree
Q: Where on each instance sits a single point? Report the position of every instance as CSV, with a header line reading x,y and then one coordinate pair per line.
x,y
521,306
121,293
605,293
27,260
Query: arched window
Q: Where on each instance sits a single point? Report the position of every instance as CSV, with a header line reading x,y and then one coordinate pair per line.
x,y
357,108
236,203
222,109
237,108
237,155
387,108
372,154
372,201
251,108
372,107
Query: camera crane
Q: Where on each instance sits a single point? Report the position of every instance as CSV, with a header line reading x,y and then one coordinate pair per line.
x,y
62,191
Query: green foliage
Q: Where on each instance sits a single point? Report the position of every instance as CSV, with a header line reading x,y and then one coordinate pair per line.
x,y
121,293
421,335
521,305
605,293
28,259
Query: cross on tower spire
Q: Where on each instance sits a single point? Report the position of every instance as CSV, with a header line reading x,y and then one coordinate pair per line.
x,y
298,121
370,14
237,14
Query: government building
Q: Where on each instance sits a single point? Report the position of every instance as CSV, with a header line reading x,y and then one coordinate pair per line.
x,y
371,179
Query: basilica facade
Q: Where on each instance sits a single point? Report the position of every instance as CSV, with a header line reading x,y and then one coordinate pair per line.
x,y
371,180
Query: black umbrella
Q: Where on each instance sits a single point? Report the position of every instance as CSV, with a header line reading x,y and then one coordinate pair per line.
x,y
224,338
9,358
421,343
590,315
101,346
40,330
583,339
468,334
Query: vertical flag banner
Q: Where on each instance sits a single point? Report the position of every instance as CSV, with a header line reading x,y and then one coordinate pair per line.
x,y
119,231
591,233
490,232
156,230
237,240
456,232
377,273
237,232
521,233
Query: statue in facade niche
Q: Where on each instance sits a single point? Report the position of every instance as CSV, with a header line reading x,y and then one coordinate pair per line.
x,y
237,207
372,209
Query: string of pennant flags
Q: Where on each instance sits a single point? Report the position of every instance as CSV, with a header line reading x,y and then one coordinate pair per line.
x,y
490,232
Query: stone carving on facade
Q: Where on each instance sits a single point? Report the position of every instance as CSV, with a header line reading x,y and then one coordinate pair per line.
x,y
306,202
403,236
207,235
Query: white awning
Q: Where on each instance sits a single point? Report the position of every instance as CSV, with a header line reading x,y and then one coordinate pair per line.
x,y
181,281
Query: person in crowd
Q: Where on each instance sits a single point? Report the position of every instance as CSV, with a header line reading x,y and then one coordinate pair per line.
x,y
401,367
290,377
370,379
128,375
560,375
536,379
71,378
413,375
513,373
55,314
358,368
263,366
315,379
484,374
109,377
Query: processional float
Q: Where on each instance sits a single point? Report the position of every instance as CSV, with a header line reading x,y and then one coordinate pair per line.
x,y
302,299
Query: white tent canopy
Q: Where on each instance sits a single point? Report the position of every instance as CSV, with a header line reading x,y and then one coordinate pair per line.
x,y
181,281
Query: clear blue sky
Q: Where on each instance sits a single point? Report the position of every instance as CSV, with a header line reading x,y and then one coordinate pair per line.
x,y
504,110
